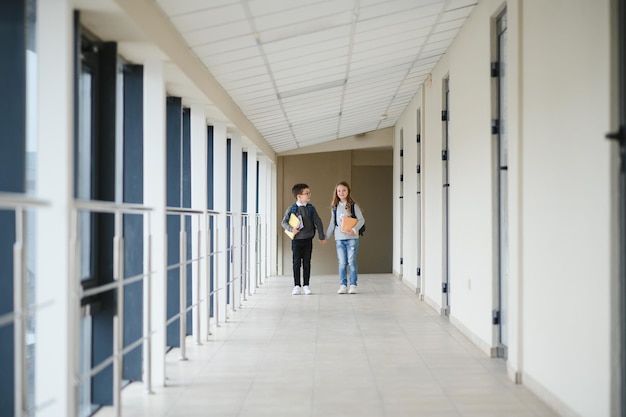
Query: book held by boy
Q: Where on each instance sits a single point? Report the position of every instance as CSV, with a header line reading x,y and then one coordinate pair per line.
x,y
294,222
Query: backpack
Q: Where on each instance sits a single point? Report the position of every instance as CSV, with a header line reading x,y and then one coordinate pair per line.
x,y
361,230
294,210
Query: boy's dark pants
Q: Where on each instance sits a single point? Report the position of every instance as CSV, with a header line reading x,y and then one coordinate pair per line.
x,y
301,249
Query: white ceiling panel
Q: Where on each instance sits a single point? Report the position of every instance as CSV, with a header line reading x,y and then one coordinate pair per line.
x,y
198,19
401,7
226,45
231,57
177,7
217,33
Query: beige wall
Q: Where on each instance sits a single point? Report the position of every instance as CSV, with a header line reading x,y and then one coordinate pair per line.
x,y
369,173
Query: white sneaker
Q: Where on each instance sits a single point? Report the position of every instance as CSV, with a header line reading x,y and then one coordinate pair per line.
x,y
352,289
296,290
342,290
306,290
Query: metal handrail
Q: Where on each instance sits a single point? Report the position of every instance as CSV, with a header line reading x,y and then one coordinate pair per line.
x,y
118,284
208,250
19,204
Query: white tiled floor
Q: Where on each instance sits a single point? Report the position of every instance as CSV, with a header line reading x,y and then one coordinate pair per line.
x,y
379,353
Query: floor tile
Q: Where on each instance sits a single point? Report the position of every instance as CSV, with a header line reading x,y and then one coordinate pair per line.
x,y
379,353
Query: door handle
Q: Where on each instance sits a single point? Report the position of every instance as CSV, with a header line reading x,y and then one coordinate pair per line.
x,y
617,135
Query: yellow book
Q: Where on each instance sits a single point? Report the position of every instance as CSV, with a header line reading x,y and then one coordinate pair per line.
x,y
294,221
347,223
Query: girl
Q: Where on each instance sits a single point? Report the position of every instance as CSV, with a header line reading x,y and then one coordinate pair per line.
x,y
346,238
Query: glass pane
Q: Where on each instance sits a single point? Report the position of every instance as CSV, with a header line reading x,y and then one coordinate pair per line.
x,y
83,166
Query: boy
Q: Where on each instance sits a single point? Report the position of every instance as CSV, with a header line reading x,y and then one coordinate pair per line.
x,y
302,243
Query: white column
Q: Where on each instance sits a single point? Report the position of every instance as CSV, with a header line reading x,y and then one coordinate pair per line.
x,y
271,220
219,188
235,205
154,196
57,348
200,328
252,196
264,215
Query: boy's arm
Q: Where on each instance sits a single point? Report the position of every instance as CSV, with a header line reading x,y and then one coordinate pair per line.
x,y
285,222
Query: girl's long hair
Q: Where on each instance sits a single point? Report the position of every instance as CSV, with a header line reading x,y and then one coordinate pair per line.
x,y
349,200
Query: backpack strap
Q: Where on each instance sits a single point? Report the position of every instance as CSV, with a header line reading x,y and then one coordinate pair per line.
x,y
294,209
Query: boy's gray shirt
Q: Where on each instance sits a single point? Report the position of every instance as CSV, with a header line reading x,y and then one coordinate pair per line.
x,y
308,231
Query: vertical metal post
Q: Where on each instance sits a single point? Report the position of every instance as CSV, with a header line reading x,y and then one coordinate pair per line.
x,y
118,319
248,254
74,312
147,317
183,288
19,327
243,258
197,309
117,368
215,277
232,265
207,268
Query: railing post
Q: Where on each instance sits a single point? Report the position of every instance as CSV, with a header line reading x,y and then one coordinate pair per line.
x,y
118,319
231,258
183,289
19,329
207,268
147,308
215,277
197,309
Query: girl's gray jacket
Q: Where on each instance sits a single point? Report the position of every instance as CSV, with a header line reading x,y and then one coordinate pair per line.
x,y
335,225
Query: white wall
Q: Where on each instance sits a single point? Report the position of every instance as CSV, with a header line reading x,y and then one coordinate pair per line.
x,y
566,264
559,194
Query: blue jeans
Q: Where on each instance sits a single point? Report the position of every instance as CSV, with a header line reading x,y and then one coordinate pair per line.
x,y
347,250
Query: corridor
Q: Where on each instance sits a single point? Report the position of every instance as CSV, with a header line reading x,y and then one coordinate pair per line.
x,y
381,352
